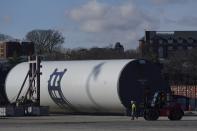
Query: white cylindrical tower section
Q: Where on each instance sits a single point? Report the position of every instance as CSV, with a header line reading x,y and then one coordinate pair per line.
x,y
84,86
89,86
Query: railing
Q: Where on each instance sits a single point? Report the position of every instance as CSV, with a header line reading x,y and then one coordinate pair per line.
x,y
55,91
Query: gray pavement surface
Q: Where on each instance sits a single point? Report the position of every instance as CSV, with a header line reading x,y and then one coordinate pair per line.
x,y
95,123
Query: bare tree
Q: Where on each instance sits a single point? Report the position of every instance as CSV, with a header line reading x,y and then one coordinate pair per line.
x,y
46,41
97,53
182,66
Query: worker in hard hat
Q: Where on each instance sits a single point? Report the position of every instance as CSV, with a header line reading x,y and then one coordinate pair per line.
x,y
133,110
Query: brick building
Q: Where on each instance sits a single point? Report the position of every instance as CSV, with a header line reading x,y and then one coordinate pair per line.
x,y
27,48
164,43
10,48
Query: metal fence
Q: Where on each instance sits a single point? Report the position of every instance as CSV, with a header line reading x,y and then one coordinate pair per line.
x,y
188,95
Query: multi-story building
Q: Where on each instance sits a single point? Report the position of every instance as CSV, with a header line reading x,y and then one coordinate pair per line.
x,y
27,48
164,43
10,48
2,50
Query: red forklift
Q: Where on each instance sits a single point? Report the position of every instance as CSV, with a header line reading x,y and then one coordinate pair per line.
x,y
163,104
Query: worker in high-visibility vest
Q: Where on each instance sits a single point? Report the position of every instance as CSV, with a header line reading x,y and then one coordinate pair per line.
x,y
133,110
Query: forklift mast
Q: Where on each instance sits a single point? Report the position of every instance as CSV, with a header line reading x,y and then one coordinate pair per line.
x,y
159,99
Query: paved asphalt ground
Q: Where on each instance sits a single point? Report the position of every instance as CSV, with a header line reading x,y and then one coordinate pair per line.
x,y
95,123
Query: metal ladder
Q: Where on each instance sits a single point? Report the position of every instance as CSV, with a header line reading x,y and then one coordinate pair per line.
x,y
55,91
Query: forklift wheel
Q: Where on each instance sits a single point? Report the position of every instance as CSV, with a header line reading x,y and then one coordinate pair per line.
x,y
176,114
151,114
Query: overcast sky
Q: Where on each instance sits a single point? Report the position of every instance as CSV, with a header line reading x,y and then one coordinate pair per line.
x,y
90,23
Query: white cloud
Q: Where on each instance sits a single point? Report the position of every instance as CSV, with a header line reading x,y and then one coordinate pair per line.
x,y
185,22
97,17
189,21
162,2
92,9
118,23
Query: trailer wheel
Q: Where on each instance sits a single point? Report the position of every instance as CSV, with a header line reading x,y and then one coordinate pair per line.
x,y
151,114
176,114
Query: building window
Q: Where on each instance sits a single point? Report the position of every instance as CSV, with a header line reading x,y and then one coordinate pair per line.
x,y
151,41
180,40
151,49
190,40
175,47
1,50
160,41
170,41
161,52
189,47
180,47
170,48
